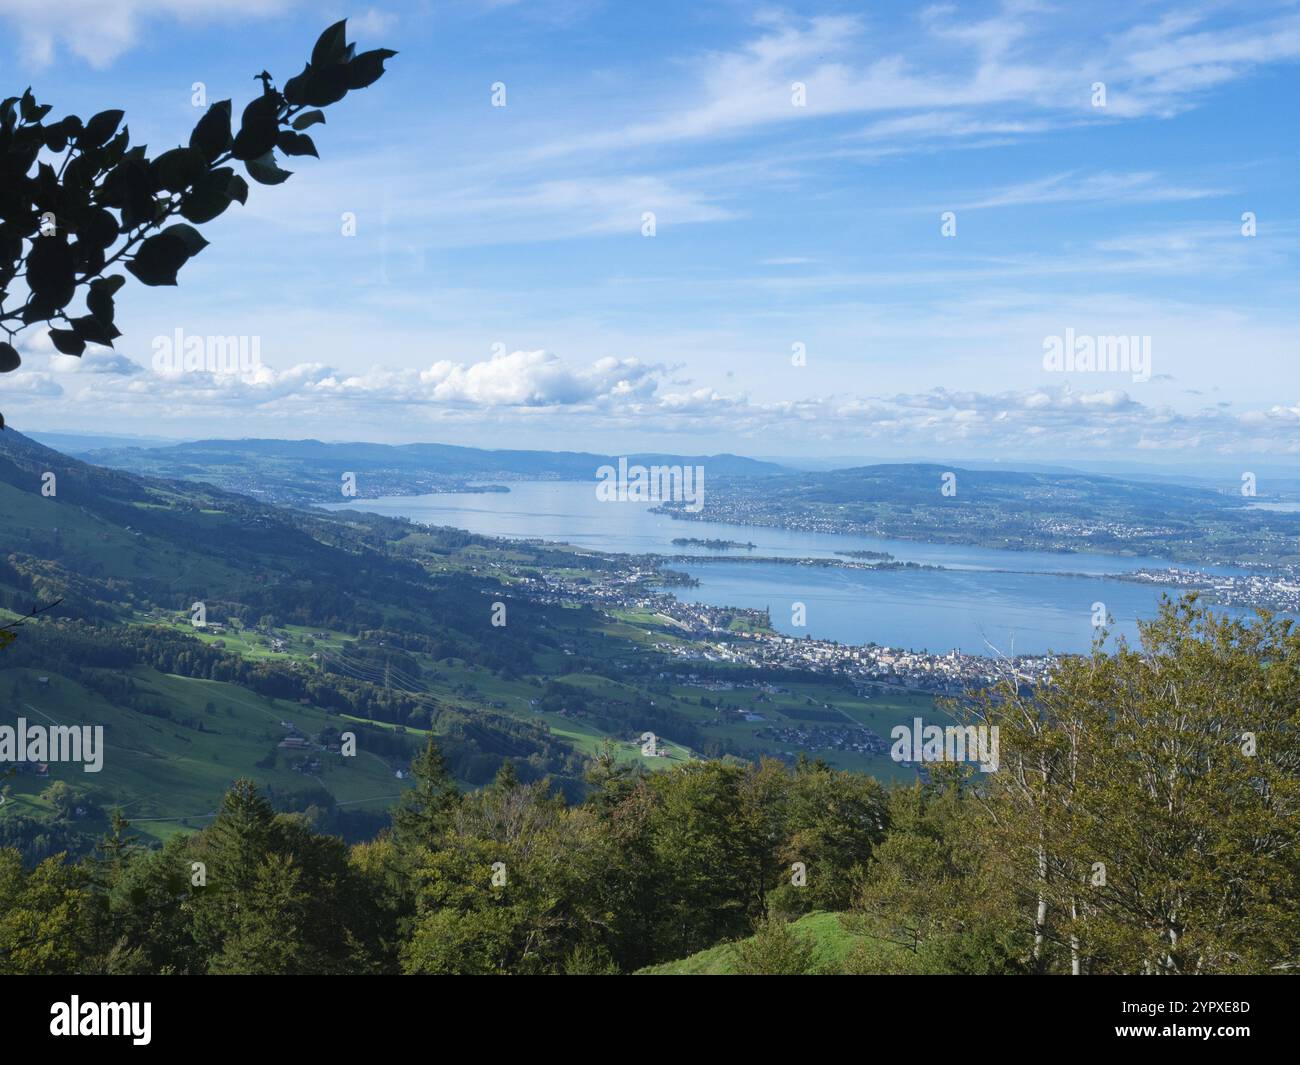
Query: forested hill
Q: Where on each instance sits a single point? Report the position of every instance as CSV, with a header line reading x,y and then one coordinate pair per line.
x,y
119,562
173,542
112,544
1058,511
310,471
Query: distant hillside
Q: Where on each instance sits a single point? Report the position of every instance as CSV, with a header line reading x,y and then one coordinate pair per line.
x,y
129,556
308,471
1018,510
80,443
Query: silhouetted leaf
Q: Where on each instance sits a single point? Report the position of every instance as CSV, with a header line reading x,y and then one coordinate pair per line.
x,y
158,258
295,143
189,236
79,175
67,342
51,269
99,300
99,129
89,258
209,197
331,45
326,85
211,135
93,331
9,360
308,118
100,303
115,149
31,110
368,68
108,284
96,226
39,309
130,187
179,168
264,171
56,140
296,86
258,128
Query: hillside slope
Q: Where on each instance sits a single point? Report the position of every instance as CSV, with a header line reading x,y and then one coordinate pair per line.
x,y
309,471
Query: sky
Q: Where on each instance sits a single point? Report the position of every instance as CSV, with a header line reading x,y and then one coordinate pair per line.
x,y
835,229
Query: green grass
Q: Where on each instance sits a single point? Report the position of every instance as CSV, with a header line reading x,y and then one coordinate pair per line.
x,y
169,774
832,945
590,741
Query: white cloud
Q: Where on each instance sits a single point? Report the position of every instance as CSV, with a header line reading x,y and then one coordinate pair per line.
x,y
535,379
611,395
95,361
99,31
1072,187
1030,68
371,23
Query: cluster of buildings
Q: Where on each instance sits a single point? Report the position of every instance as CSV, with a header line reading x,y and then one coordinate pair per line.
x,y
715,637
1116,530
857,739
1279,591
950,673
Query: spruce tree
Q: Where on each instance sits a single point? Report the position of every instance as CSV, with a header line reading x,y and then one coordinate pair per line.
x,y
427,809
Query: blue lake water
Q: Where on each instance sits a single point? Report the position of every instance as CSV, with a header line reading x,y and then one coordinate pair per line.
x,y
1022,602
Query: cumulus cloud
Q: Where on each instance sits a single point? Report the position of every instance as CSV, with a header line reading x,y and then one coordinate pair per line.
x,y
536,379
540,389
94,362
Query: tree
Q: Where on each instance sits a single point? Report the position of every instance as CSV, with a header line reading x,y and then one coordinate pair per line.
x,y
426,810
929,902
609,781
507,779
77,200
835,820
1148,800
775,949
63,797
44,916
707,868
115,847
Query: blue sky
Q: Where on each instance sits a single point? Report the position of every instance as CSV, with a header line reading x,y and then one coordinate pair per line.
x,y
499,290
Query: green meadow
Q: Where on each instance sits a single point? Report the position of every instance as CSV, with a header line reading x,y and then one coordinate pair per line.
x,y
168,773
832,945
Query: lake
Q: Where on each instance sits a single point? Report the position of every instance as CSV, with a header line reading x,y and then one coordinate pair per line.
x,y
1023,602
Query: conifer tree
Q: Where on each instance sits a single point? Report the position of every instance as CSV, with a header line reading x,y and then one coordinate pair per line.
x,y
427,808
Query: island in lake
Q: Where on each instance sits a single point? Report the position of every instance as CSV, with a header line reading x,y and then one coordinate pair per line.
x,y
712,545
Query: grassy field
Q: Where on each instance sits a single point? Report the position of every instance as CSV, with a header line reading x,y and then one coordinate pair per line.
x,y
879,712
168,773
833,944
86,543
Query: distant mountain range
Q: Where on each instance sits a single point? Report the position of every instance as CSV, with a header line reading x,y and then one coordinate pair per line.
x,y
309,471
1201,523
